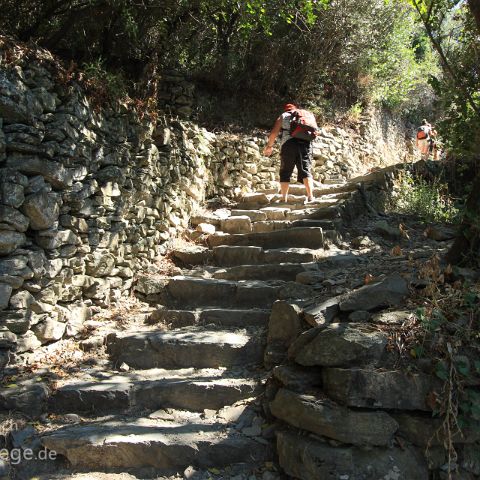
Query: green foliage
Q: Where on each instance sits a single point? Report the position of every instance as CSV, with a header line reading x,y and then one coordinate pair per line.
x,y
428,200
401,68
105,84
333,53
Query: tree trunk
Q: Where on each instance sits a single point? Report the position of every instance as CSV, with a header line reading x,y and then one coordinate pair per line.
x,y
466,248
475,9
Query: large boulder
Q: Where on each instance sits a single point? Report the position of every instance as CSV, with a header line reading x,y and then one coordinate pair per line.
x,y
10,241
55,173
380,389
323,313
12,219
12,185
42,208
28,397
309,459
388,292
285,323
323,417
343,345
49,330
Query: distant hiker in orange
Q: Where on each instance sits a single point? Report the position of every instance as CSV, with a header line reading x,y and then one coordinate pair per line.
x,y
297,128
423,139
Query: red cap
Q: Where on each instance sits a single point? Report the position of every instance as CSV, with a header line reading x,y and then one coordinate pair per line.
x,y
289,106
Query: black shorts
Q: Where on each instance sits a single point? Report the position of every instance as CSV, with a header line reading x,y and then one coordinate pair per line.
x,y
296,153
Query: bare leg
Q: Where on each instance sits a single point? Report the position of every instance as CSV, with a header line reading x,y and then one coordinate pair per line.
x,y
308,182
284,186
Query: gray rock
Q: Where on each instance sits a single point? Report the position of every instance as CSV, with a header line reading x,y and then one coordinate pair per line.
x,y
27,342
380,389
359,316
440,233
21,300
237,224
5,293
323,417
285,323
17,321
12,219
12,185
16,266
322,314
77,315
148,285
385,230
309,459
192,255
428,432
342,344
10,241
8,340
296,378
396,317
54,172
42,208
49,330
388,292
52,239
153,443
100,264
28,397
187,347
233,255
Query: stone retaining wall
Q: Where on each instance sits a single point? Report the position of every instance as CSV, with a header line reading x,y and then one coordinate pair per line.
x,y
90,196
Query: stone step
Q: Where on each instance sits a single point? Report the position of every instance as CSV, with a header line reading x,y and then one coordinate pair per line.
x,y
318,191
325,224
161,445
284,271
231,255
300,237
187,347
189,389
226,317
184,293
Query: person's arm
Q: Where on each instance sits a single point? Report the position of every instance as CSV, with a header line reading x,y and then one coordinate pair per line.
x,y
277,126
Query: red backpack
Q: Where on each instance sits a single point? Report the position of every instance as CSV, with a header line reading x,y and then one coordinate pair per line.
x,y
303,125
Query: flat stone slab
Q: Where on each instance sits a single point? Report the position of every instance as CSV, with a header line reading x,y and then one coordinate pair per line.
x,y
190,389
236,224
200,291
254,215
227,317
380,389
388,292
323,313
275,213
190,292
309,459
166,446
292,237
226,255
271,226
323,417
187,347
194,255
286,271
292,255
235,317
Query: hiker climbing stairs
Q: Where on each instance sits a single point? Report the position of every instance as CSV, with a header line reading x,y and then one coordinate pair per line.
x,y
193,377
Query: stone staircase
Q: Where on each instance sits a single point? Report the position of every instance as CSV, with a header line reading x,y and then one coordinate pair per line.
x,y
190,393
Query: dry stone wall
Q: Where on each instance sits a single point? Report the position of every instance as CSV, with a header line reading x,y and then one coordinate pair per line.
x,y
89,196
